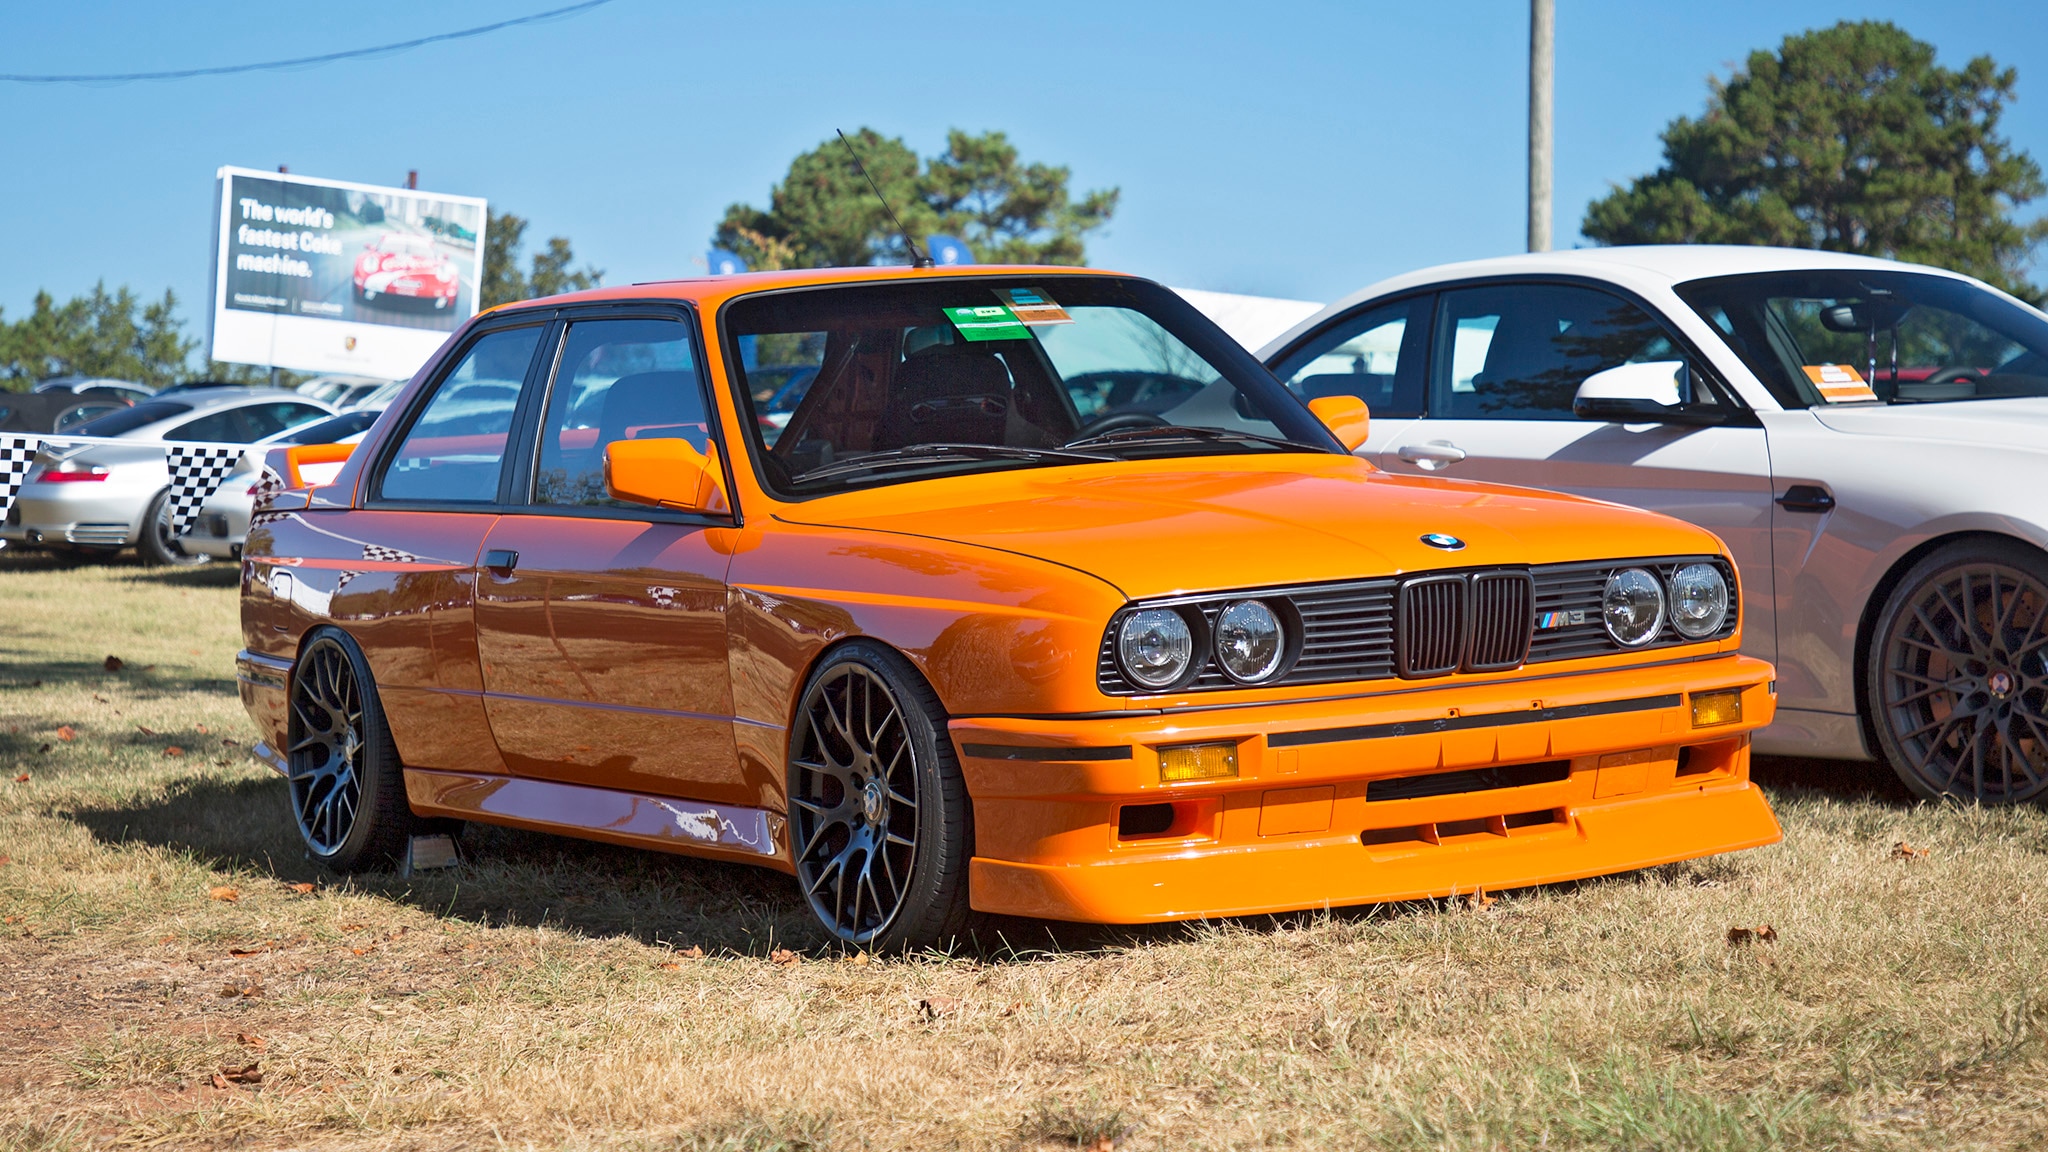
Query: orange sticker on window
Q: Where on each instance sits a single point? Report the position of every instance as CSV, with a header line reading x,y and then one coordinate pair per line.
x,y
1838,383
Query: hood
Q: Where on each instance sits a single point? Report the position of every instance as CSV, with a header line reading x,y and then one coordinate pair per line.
x,y
1155,528
2017,423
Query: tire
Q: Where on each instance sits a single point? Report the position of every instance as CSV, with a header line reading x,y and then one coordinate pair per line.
x,y
156,543
347,787
876,798
1957,677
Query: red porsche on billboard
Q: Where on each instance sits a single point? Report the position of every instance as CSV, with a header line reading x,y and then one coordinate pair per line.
x,y
401,267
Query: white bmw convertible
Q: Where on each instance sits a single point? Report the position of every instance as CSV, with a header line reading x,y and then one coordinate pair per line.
x,y
1869,437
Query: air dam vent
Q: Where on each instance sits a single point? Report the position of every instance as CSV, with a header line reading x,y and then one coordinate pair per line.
x,y
1467,780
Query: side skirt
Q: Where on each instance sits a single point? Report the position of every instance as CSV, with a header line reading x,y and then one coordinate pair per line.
x,y
662,823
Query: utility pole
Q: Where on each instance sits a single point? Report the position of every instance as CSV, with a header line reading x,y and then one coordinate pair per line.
x,y
1542,54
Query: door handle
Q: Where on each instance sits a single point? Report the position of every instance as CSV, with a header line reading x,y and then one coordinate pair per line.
x,y
501,561
1806,498
1431,456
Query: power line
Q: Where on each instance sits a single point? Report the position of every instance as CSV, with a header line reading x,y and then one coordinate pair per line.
x,y
304,61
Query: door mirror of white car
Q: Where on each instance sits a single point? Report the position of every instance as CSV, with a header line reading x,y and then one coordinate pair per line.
x,y
1654,390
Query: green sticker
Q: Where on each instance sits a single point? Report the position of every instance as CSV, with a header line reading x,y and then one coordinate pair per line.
x,y
987,322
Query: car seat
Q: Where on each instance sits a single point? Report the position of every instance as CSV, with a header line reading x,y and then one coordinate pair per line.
x,y
946,394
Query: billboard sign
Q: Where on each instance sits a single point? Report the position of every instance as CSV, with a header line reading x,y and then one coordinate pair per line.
x,y
327,276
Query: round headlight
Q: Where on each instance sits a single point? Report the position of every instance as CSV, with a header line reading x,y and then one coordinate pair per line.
x,y
1249,643
1699,600
1632,607
1154,646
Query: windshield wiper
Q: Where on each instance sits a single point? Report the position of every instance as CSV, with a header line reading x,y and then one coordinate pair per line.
x,y
1167,433
919,454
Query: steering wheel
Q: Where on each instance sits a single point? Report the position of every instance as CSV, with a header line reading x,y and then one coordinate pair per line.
x,y
1951,375
1119,420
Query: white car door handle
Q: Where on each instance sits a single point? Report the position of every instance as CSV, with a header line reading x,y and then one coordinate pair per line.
x,y
1431,456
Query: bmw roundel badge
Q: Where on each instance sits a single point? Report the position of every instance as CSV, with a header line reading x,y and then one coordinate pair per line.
x,y
1440,540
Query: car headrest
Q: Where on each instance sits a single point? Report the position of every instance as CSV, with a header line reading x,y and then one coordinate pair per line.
x,y
648,399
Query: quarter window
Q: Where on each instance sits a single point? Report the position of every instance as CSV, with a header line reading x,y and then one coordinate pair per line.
x,y
455,451
1520,352
618,380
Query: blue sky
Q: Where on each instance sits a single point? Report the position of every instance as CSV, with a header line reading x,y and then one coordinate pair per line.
x,y
1284,149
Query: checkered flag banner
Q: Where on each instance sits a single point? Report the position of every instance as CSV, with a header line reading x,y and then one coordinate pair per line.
x,y
16,453
196,472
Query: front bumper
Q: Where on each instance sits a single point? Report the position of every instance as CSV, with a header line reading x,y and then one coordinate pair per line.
x,y
1402,795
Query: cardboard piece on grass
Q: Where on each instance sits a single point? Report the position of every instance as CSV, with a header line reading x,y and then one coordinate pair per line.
x,y
426,853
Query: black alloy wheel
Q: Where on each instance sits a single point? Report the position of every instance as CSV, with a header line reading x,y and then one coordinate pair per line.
x,y
879,822
158,542
347,787
1958,677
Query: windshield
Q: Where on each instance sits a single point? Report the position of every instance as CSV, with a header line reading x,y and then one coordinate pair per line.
x,y
1853,336
129,419
885,383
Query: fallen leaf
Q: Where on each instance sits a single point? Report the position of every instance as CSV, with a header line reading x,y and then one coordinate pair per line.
x,y
251,1040
230,991
43,749
223,893
1905,851
1761,934
249,1074
174,750
937,1006
258,950
784,958
1478,900
1012,1009
21,779
114,663
145,731
693,952
200,728
230,741
862,958
100,698
351,927
364,951
671,966
5,860
67,733
301,889
220,1081
11,919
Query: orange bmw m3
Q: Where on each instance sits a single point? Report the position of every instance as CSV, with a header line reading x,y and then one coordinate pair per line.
x,y
1044,599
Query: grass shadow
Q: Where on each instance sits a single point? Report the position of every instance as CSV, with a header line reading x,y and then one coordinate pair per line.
x,y
510,878
25,668
1843,779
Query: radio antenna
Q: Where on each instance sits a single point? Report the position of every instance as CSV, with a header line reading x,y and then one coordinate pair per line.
x,y
917,257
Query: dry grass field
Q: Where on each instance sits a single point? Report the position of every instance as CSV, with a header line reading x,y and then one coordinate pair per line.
x,y
173,973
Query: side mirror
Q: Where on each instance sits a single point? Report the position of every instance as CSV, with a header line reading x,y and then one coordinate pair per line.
x,y
1347,418
1654,390
665,474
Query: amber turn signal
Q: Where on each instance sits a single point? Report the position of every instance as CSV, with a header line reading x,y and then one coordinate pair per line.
x,y
1183,762
1711,709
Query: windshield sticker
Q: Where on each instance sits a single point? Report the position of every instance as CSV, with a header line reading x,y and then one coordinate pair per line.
x,y
987,322
1032,306
1838,383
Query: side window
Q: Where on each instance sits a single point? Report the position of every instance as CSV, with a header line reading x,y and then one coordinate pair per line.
x,y
455,451
617,380
266,419
1520,351
226,426
1375,355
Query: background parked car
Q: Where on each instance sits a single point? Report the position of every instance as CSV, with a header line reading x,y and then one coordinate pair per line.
x,y
1869,437
99,498
45,412
101,386
222,525
341,391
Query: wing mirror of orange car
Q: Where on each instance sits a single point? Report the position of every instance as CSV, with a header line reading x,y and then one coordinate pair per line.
x,y
1347,418
665,473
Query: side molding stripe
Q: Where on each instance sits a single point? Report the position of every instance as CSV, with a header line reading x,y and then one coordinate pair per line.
x,y
1043,753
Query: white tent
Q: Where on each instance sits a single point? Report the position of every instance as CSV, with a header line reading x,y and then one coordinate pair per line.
x,y
1251,320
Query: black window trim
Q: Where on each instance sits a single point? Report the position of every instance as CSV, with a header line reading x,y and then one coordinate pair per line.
x,y
517,493
373,480
1741,413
